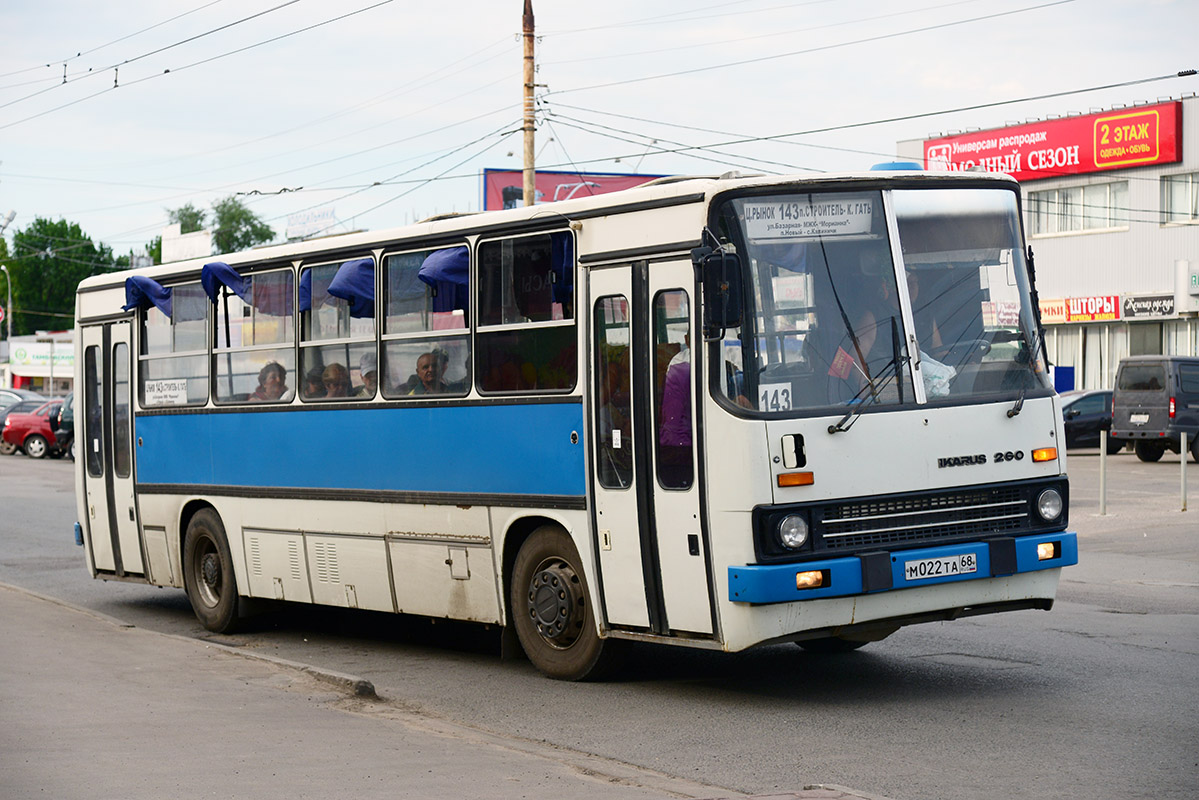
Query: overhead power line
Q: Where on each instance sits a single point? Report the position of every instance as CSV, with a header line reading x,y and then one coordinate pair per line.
x,y
198,63
821,48
92,73
102,46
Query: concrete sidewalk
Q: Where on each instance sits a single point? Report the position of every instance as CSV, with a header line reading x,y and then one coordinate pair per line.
x,y
92,708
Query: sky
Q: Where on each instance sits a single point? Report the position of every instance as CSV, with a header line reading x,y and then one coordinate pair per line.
x,y
382,113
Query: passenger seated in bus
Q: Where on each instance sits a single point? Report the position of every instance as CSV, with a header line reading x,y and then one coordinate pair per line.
x,y
336,379
368,369
869,309
928,333
430,372
314,385
272,384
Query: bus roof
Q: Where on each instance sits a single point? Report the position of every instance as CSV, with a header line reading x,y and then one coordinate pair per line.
x,y
670,190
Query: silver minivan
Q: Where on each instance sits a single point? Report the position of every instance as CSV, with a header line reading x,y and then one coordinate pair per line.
x,y
1156,400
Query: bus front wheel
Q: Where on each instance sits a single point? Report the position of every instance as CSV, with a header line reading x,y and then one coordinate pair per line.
x,y
208,572
831,644
552,610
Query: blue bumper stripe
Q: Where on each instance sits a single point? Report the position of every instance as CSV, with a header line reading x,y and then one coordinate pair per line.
x,y
775,583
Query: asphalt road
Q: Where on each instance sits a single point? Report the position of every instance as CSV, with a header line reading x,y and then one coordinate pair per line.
x,y
1097,698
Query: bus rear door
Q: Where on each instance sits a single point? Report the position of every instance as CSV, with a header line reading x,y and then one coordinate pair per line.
x,y
107,420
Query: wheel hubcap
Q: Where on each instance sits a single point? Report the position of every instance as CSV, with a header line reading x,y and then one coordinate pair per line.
x,y
555,604
211,570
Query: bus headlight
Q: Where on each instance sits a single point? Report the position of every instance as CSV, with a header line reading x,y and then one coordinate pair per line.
x,y
793,531
1049,504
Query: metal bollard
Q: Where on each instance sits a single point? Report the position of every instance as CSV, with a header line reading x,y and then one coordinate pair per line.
x,y
1103,476
1183,449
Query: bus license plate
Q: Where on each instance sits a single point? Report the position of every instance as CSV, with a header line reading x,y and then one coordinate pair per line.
x,y
940,567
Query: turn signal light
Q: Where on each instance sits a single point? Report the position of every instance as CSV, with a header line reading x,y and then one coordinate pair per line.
x,y
1047,551
809,580
796,479
1045,454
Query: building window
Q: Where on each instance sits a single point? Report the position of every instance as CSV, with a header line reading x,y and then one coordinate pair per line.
x,y
1098,206
1180,198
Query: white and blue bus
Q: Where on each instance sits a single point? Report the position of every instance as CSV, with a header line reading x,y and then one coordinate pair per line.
x,y
708,412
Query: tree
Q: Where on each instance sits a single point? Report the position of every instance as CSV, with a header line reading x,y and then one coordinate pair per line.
x,y
190,218
154,249
236,227
49,260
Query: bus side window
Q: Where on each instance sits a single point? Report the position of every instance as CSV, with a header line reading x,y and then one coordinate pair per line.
x,y
174,350
93,402
526,285
252,334
426,339
672,384
613,394
337,331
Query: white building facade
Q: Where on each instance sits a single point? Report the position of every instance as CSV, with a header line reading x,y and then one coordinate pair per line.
x,y
1111,211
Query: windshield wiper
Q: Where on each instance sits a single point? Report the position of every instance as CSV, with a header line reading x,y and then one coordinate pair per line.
x,y
1033,357
871,391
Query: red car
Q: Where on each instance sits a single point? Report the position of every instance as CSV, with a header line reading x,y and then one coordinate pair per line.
x,y
31,432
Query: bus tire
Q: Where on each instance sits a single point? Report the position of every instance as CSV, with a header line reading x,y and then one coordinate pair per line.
x,y
831,644
1150,451
208,572
552,611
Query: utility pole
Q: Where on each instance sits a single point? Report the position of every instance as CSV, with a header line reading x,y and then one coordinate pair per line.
x,y
527,27
8,277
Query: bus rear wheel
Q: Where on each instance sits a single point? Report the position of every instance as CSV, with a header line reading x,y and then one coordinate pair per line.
x,y
208,572
552,610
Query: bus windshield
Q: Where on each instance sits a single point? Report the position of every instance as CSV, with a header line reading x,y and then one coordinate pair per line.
x,y
828,323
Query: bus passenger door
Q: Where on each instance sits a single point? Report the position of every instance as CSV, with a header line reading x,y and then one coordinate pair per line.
x,y
651,549
623,569
107,419
674,479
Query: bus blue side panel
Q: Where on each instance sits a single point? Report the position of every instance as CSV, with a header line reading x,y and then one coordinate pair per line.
x,y
490,449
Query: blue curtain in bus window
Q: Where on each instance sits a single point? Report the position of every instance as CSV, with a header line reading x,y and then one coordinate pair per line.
x,y
272,293
448,273
217,274
563,261
355,283
142,292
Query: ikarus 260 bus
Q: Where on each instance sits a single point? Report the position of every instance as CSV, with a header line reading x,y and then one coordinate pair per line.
x,y
707,412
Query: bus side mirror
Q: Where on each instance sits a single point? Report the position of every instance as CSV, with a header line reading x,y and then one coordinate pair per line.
x,y
720,274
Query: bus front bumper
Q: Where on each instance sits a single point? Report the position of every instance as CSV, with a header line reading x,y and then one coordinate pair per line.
x,y
882,571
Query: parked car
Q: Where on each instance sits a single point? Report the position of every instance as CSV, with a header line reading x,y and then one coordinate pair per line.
x,y
1156,400
63,425
21,407
1087,415
10,396
31,432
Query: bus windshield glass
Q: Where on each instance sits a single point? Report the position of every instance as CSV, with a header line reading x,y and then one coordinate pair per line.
x,y
827,323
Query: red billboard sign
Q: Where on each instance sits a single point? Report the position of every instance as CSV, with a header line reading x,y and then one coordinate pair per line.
x,y
504,188
1133,137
